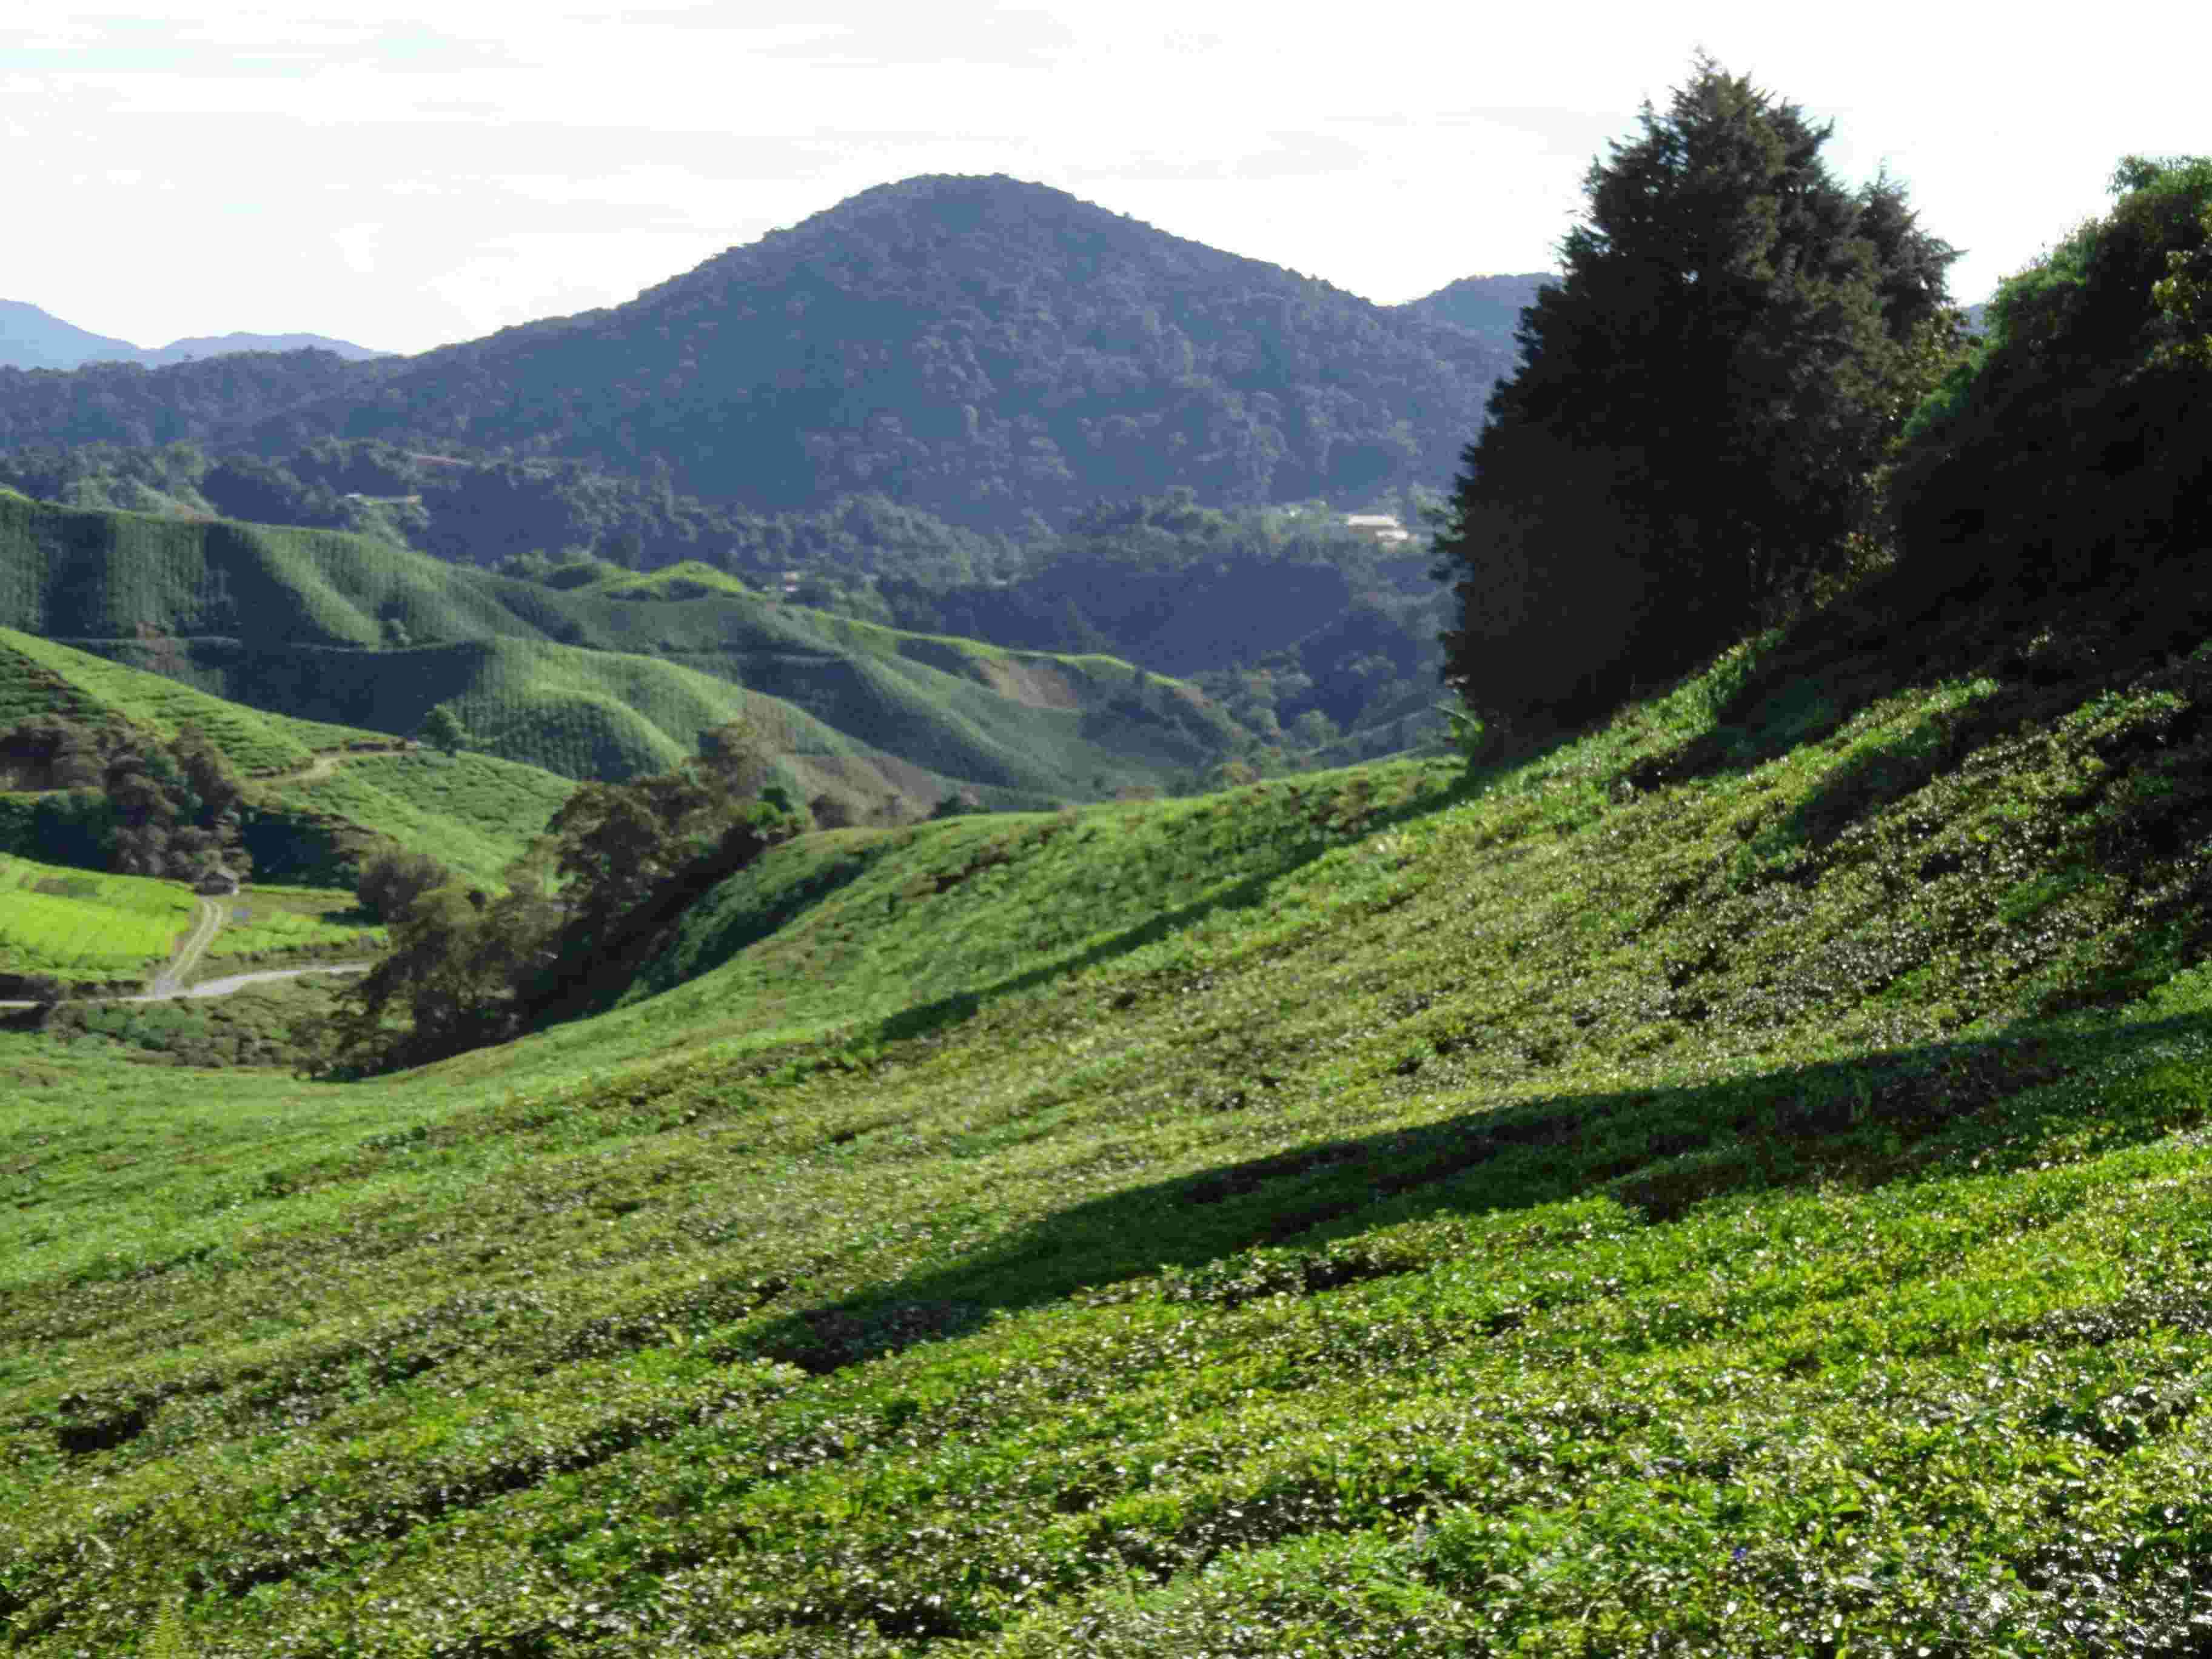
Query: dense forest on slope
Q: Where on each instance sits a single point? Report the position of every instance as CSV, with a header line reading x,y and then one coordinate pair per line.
x,y
1489,306
122,403
983,349
470,509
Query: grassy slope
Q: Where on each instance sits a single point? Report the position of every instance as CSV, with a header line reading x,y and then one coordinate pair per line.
x,y
611,678
75,925
474,811
1736,1178
38,677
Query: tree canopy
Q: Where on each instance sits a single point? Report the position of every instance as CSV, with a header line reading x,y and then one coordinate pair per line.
x,y
1700,403
2073,438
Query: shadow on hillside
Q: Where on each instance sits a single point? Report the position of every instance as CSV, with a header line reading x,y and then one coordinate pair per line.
x,y
2048,649
1937,1111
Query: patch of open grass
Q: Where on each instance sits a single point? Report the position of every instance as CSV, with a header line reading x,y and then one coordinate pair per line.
x,y
73,924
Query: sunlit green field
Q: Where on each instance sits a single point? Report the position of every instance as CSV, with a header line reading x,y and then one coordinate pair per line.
x,y
1734,1182
472,813
276,924
72,924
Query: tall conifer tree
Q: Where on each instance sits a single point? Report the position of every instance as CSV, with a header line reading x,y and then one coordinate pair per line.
x,y
1700,402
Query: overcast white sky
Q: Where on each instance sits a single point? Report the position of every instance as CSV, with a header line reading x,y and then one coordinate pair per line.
x,y
403,175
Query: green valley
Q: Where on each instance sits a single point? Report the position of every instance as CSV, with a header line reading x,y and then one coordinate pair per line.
x,y
607,680
1716,1164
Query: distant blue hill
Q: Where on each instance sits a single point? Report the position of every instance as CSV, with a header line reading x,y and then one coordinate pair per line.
x,y
31,338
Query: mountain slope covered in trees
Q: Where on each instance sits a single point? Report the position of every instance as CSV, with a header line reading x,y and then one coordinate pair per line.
x,y
1488,306
978,347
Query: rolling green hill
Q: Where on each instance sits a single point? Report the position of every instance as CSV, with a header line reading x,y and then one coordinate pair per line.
x,y
1734,1178
606,679
318,792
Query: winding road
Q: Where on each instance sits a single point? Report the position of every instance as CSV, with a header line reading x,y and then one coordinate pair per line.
x,y
170,981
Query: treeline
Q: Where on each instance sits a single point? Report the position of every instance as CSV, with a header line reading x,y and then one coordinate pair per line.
x,y
115,796
578,911
524,517
1750,390
2071,443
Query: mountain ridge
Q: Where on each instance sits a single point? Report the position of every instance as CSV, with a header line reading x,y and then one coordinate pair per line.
x,y
979,348
32,336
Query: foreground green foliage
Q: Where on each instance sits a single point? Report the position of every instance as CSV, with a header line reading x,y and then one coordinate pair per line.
x,y
1733,1183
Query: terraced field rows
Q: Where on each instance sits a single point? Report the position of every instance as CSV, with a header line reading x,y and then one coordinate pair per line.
x,y
75,925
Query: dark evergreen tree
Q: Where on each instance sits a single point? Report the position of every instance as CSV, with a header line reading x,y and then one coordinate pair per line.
x,y
1701,401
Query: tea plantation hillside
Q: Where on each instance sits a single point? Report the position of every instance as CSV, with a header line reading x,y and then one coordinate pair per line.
x,y
317,793
1734,1182
607,680
77,926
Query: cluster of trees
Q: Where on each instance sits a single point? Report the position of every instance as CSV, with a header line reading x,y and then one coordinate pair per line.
x,y
2073,442
578,911
1749,388
127,800
1704,400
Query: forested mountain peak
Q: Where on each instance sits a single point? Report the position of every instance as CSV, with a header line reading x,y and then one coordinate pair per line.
x,y
981,348
978,346
973,221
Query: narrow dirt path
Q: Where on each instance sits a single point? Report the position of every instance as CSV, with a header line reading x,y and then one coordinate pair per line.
x,y
228,984
170,981
205,926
